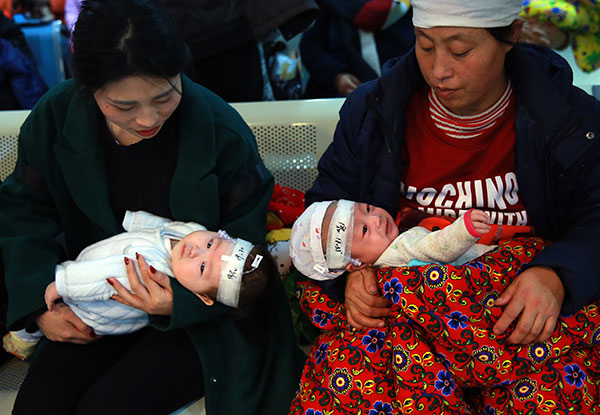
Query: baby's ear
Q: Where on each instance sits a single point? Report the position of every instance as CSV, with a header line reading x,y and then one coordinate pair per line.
x,y
206,299
351,267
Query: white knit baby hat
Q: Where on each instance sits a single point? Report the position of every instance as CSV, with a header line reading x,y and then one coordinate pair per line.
x,y
306,249
465,13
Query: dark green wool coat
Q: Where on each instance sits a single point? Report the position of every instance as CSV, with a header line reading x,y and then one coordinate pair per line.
x,y
61,141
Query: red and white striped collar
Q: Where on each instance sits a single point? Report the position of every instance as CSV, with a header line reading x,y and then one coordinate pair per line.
x,y
467,126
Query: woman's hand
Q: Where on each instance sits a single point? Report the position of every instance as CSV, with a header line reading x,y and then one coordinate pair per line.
x,y
535,298
345,83
62,325
364,306
155,296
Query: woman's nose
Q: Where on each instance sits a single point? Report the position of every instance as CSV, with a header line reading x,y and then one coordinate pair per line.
x,y
441,66
147,117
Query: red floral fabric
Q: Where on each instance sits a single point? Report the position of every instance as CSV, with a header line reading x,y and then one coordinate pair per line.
x,y
437,346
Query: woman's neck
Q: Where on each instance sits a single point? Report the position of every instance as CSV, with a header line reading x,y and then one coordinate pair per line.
x,y
121,136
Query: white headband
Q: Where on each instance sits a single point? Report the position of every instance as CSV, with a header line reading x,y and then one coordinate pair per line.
x,y
339,237
316,248
461,13
232,270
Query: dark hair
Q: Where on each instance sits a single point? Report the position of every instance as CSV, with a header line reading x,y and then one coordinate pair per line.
x,y
250,316
114,39
254,284
503,34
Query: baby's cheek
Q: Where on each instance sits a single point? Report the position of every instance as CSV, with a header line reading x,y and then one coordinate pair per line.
x,y
379,246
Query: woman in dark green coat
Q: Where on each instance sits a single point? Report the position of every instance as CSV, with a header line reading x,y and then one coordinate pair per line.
x,y
131,133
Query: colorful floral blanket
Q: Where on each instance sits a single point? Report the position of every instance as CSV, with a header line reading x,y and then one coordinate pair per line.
x,y
580,19
437,353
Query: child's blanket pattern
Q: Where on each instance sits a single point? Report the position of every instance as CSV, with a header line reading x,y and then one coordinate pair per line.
x,y
438,343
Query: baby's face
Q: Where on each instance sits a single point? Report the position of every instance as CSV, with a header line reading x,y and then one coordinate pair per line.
x,y
196,261
374,231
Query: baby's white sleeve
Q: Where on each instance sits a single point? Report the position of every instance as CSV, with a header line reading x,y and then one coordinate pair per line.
x,y
444,245
86,280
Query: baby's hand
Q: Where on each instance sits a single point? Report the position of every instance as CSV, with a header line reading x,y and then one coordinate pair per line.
x,y
480,221
51,296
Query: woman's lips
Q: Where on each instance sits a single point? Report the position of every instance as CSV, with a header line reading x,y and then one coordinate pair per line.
x,y
147,133
444,92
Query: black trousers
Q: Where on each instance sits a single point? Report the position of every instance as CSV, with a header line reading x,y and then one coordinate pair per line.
x,y
146,372
235,75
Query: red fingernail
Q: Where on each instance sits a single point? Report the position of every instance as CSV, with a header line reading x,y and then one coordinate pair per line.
x,y
152,270
137,256
126,261
109,281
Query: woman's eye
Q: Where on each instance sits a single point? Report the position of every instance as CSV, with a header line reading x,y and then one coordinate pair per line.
x,y
460,54
368,208
364,229
209,244
202,268
124,109
163,101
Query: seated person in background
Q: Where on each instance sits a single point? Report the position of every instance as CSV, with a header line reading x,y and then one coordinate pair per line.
x,y
350,41
558,24
21,85
212,265
336,236
225,39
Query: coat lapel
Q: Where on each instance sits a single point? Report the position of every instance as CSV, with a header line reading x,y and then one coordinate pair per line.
x,y
82,163
195,187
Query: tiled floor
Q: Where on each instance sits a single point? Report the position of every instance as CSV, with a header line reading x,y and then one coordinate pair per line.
x,y
12,374
6,401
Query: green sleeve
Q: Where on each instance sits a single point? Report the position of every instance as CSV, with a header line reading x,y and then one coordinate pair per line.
x,y
29,223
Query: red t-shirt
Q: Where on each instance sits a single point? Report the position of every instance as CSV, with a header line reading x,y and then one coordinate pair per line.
x,y
447,176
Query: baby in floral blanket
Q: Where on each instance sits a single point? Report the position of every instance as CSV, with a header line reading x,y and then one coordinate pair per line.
x,y
336,236
438,345
438,348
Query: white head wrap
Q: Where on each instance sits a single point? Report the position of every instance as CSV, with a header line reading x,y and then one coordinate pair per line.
x,y
461,13
306,249
232,270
